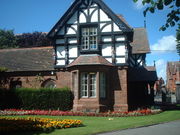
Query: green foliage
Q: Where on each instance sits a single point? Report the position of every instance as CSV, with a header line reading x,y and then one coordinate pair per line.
x,y
3,69
29,98
95,125
178,40
172,16
8,99
34,39
7,39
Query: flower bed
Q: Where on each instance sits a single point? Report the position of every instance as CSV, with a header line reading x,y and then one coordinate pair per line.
x,y
62,113
35,124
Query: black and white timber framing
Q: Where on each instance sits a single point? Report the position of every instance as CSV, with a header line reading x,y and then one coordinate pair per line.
x,y
113,39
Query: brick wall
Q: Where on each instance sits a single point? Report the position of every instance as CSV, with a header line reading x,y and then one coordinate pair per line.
x,y
173,75
63,79
119,89
26,79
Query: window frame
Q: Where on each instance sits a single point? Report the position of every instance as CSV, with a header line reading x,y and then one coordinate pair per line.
x,y
88,85
89,50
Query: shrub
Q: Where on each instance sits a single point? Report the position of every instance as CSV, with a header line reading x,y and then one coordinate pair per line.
x,y
43,98
8,99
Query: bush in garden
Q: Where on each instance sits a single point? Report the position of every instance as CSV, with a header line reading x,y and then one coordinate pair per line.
x,y
8,99
43,98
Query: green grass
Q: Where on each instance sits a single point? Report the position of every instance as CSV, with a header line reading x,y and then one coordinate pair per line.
x,y
95,125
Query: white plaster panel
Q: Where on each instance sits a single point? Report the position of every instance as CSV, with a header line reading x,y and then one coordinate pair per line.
x,y
109,59
116,28
82,18
106,50
120,49
94,5
74,26
140,62
60,62
91,10
86,11
107,28
103,16
60,50
61,32
71,60
120,38
106,39
59,41
102,24
94,17
70,31
120,60
72,40
73,19
73,51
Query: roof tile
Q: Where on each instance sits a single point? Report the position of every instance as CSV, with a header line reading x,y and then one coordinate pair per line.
x,y
90,60
140,42
27,59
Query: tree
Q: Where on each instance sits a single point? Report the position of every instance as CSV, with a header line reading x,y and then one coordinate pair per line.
x,y
7,39
34,39
178,39
172,16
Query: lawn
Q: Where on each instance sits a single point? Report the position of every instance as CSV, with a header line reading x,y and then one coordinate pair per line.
x,y
93,125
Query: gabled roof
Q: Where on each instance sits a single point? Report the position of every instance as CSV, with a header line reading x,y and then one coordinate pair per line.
x,y
140,42
27,59
142,74
120,16
69,13
173,67
90,60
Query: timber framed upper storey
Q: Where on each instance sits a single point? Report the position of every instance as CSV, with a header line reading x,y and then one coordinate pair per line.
x,y
91,27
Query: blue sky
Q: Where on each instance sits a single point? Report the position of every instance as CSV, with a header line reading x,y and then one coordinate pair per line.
x,y
41,15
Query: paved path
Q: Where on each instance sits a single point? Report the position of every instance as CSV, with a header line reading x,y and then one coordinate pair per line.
x,y
171,128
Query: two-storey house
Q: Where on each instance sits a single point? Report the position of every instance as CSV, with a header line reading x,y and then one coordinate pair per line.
x,y
96,54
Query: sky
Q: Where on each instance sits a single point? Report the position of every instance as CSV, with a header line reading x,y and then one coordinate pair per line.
x,y
25,16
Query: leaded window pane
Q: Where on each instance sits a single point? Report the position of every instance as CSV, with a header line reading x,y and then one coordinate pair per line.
x,y
89,38
88,84
92,85
84,84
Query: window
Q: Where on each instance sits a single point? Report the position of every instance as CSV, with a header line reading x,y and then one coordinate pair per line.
x,y
89,38
102,85
88,84
49,84
15,84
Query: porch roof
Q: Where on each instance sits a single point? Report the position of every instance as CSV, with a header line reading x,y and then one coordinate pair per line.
x,y
91,59
142,74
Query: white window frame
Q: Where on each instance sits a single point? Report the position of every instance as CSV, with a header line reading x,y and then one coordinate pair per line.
x,y
89,38
88,87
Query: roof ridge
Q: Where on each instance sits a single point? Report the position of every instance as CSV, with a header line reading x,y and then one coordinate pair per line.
x,y
33,48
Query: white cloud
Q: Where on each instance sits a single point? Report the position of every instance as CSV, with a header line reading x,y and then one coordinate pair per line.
x,y
138,5
164,44
161,68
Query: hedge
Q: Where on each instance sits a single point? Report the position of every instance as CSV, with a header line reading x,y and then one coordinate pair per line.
x,y
43,98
